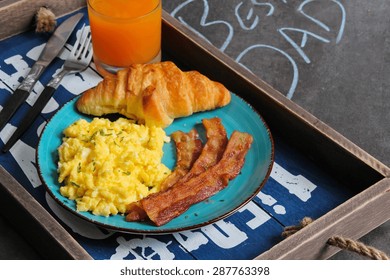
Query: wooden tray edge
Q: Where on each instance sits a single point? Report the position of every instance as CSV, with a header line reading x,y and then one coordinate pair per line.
x,y
18,15
369,207
35,223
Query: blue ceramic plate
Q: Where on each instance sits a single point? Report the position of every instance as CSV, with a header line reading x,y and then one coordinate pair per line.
x,y
238,115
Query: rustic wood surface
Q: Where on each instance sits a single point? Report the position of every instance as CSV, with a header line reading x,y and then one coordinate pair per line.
x,y
18,15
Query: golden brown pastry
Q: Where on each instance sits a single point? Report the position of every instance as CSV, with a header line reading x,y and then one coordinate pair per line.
x,y
154,94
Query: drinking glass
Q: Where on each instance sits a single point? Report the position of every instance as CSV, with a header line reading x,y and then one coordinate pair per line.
x,y
124,32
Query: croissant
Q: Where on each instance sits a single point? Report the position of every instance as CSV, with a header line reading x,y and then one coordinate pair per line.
x,y
153,94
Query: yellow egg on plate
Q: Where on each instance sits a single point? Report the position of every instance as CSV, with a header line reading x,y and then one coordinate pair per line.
x,y
105,165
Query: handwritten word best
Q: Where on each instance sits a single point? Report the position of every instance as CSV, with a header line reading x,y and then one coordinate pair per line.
x,y
252,15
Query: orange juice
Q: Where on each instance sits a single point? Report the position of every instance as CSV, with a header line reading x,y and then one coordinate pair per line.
x,y
125,32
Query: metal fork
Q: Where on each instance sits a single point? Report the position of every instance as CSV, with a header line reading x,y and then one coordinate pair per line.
x,y
79,59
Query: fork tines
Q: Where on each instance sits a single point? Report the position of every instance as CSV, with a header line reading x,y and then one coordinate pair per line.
x,y
82,41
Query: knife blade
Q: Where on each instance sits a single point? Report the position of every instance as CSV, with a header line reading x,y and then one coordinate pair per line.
x,y
48,92
53,46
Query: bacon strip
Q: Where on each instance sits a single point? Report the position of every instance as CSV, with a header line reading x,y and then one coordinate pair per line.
x,y
164,206
188,149
135,212
213,149
187,152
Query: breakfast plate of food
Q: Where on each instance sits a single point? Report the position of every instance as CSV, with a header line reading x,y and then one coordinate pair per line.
x,y
146,172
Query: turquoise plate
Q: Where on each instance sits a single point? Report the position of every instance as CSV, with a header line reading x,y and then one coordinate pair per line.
x,y
238,115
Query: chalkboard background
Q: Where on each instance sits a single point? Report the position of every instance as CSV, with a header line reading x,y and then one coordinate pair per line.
x,y
332,57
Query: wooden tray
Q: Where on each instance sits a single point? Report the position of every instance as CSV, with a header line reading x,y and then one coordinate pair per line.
x,y
353,188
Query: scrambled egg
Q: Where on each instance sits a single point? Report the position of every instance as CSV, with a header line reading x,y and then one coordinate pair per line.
x,y
106,165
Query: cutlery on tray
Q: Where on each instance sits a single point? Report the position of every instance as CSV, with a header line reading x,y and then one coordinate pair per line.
x,y
78,59
52,48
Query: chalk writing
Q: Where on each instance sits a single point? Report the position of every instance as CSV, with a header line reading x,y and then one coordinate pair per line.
x,y
205,23
250,20
305,34
323,25
251,15
294,65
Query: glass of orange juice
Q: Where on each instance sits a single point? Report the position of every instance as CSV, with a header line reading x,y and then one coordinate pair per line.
x,y
124,32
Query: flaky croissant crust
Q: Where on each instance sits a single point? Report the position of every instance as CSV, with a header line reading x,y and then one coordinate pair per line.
x,y
154,94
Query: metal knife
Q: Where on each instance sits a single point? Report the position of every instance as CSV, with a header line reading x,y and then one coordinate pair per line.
x,y
53,47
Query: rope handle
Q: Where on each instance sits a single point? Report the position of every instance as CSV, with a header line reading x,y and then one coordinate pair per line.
x,y
340,242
